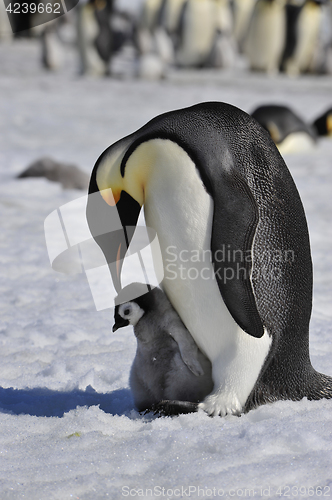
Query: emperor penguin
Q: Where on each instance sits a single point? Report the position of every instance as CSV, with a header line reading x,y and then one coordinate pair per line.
x,y
94,36
153,43
234,242
289,132
6,32
168,368
242,10
323,124
265,40
303,44
197,33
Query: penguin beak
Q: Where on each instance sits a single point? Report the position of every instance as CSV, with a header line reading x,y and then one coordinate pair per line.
x,y
113,243
119,323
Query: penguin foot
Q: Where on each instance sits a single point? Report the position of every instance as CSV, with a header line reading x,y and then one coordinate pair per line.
x,y
218,405
169,407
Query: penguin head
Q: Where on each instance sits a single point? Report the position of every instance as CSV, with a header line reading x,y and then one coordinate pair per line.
x,y
126,314
130,311
118,183
323,124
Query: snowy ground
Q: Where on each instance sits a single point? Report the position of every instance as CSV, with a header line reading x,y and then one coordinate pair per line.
x,y
68,427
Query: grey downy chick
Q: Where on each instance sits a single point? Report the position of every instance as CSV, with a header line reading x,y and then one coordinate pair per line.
x,y
169,373
69,176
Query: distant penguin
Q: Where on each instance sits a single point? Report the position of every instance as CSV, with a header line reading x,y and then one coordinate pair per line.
x,y
6,32
94,36
224,49
197,34
234,242
288,131
168,365
69,176
304,22
265,41
242,12
154,45
323,124
171,15
52,49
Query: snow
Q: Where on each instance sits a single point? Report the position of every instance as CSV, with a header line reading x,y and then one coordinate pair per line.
x,y
68,426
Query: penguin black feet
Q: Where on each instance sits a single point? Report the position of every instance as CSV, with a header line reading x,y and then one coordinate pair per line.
x,y
172,407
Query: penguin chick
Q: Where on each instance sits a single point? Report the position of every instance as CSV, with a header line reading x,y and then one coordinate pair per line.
x,y
168,364
69,176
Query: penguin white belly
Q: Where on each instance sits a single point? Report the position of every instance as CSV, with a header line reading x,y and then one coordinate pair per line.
x,y
199,32
298,142
178,207
265,41
309,26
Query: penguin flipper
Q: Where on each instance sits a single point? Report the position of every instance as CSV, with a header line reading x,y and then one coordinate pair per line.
x,y
231,245
187,347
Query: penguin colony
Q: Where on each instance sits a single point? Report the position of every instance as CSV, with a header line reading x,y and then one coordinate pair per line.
x,y
212,183
293,36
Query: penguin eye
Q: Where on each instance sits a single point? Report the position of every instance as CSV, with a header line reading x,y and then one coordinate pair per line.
x,y
126,310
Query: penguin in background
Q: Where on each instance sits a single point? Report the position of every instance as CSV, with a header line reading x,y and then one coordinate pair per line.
x,y
265,41
323,124
155,50
6,32
167,365
224,49
303,39
234,242
199,20
293,11
52,48
94,36
288,131
69,176
171,15
242,13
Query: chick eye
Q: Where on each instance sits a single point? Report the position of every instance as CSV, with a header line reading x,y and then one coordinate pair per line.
x,y
126,312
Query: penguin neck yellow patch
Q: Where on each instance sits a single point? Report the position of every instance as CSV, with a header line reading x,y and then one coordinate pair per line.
x,y
108,178
329,124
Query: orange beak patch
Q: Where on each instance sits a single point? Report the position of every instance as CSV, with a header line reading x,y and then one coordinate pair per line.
x,y
111,196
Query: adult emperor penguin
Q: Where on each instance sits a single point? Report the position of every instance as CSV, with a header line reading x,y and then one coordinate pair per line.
x,y
197,32
289,132
323,124
265,40
303,40
167,365
234,241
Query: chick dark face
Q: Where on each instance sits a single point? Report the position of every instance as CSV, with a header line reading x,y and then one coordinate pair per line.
x,y
126,314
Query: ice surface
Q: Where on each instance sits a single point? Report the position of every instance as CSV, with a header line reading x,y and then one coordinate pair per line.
x,y
68,426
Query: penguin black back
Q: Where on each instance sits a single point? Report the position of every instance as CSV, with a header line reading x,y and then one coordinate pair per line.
x,y
281,121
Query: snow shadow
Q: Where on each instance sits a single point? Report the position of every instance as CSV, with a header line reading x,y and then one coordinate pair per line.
x,y
43,402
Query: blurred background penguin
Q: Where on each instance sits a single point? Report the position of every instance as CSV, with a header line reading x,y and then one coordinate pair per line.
x,y
265,41
307,38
